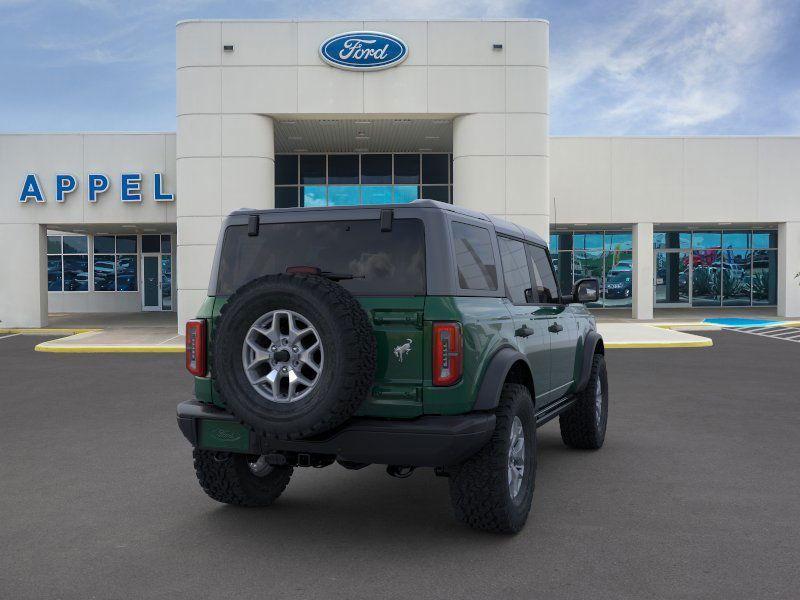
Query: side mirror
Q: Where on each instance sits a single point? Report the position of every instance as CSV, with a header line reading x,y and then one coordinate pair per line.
x,y
586,290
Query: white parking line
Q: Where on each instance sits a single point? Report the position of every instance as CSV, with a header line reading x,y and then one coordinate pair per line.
x,y
2,337
790,334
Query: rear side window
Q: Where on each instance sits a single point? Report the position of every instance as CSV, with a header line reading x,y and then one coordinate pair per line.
x,y
543,273
388,263
515,271
474,257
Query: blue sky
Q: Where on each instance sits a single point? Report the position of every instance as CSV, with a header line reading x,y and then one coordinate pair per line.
x,y
617,68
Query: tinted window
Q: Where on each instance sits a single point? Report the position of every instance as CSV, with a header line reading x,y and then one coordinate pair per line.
x,y
286,169
343,168
75,244
54,244
543,273
126,273
126,243
54,274
406,168
385,264
312,168
104,272
515,271
434,168
76,273
435,192
151,243
104,244
376,168
285,197
474,257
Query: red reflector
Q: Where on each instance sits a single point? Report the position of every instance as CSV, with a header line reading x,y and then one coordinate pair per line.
x,y
447,353
196,347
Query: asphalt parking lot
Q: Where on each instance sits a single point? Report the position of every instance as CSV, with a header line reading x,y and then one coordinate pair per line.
x,y
695,495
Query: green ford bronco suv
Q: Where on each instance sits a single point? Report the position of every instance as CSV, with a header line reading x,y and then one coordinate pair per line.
x,y
414,335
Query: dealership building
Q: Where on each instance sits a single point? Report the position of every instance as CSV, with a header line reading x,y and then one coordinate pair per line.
x,y
274,114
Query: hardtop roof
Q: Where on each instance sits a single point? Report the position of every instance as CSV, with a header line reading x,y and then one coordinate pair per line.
x,y
500,225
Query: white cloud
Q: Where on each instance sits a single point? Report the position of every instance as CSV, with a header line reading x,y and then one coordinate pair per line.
x,y
670,68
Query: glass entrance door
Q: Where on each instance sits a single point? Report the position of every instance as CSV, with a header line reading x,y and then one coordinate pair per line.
x,y
151,276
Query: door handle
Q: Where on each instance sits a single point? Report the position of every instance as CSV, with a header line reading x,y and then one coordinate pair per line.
x,y
555,328
524,332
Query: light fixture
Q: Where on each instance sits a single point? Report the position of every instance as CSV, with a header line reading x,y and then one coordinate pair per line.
x,y
426,149
432,137
361,150
363,122
288,122
497,46
128,226
228,47
402,121
301,150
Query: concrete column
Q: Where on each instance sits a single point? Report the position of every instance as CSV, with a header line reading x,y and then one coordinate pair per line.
x,y
788,268
225,162
500,166
642,271
23,269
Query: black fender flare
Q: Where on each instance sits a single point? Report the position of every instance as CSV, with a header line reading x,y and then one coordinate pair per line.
x,y
591,346
495,375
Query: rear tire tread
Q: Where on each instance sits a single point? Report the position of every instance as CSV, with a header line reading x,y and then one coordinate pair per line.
x,y
225,477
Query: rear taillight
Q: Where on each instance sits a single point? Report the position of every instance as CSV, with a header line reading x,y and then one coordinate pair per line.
x,y
447,353
196,347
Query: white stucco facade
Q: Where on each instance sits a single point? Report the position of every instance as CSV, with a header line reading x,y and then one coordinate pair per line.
x,y
251,94
488,77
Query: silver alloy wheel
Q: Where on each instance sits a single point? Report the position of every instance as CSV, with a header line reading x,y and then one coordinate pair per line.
x,y
283,356
598,401
260,467
516,457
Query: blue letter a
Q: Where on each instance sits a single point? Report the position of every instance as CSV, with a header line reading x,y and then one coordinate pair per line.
x,y
31,189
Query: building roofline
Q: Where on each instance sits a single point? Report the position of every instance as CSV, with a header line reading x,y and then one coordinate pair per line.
x,y
463,20
14,133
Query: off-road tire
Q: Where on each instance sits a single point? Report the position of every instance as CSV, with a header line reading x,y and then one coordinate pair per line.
x,y
479,488
347,338
226,477
580,426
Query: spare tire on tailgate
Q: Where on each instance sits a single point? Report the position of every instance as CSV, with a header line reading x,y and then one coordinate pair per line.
x,y
293,355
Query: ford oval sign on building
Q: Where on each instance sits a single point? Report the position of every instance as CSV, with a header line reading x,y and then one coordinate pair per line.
x,y
363,50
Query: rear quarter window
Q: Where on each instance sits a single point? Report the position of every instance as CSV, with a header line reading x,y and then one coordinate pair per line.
x,y
474,257
383,263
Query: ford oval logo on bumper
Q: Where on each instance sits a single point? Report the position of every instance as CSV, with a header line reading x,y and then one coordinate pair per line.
x,y
363,50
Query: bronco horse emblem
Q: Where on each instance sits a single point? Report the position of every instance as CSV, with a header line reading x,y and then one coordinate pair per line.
x,y
402,349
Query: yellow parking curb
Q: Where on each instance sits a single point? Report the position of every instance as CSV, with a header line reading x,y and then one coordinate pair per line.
x,y
100,349
46,331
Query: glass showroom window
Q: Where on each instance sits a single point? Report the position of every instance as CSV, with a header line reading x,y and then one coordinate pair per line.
x,y
716,267
361,179
67,263
606,255
115,263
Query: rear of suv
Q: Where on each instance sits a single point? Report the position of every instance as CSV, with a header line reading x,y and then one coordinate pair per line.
x,y
416,335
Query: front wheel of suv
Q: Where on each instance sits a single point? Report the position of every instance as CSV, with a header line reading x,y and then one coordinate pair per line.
x,y
493,489
239,479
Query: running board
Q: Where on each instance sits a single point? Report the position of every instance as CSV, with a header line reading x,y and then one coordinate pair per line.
x,y
551,411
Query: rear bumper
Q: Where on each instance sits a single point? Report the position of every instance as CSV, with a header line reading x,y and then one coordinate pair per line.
x,y
428,441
